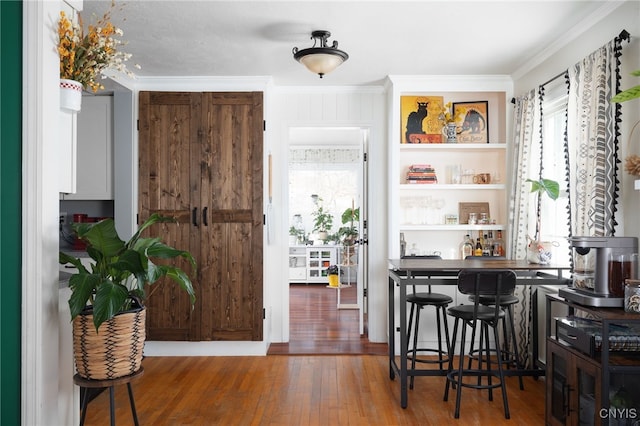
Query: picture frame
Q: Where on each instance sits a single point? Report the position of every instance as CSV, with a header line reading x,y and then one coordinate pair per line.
x,y
420,119
465,208
475,126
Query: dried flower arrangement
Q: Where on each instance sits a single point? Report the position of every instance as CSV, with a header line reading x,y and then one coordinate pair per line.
x,y
448,117
84,57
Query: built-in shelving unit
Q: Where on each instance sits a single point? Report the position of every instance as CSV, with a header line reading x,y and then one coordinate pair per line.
x,y
428,214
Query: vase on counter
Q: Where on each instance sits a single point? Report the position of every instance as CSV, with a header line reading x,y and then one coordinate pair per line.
x,y
450,132
70,95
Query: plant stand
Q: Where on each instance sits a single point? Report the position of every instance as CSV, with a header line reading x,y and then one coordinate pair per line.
x,y
340,305
109,383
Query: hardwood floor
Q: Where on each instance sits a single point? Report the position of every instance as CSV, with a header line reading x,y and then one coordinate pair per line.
x,y
303,390
341,380
318,327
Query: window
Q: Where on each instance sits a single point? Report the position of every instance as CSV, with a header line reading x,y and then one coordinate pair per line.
x,y
553,214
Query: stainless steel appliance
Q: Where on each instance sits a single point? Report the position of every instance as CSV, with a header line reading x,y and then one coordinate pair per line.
x,y
600,266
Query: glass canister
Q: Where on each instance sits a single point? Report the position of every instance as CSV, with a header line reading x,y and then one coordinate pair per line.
x,y
473,219
632,296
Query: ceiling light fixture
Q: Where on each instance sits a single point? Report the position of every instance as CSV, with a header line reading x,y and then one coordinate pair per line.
x,y
323,59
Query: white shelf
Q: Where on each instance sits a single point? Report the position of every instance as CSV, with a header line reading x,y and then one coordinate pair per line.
x,y
453,146
463,227
449,187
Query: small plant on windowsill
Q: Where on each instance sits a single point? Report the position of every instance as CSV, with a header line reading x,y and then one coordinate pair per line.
x,y
539,251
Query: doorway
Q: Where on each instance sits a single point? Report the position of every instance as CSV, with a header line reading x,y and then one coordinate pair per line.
x,y
327,183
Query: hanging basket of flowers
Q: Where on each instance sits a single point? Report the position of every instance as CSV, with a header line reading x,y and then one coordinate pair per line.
x,y
85,56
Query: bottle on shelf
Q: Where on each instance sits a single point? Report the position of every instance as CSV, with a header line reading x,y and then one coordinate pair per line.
x,y
466,247
486,246
478,250
498,244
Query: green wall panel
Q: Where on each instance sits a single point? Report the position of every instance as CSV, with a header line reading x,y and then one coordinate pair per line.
x,y
10,208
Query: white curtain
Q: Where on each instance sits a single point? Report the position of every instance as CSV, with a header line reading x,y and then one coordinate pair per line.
x,y
526,155
592,143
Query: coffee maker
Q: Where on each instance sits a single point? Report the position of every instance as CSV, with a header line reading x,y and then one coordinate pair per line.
x,y
600,267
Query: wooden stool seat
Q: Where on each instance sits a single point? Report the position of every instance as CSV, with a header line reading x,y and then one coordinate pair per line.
x,y
109,383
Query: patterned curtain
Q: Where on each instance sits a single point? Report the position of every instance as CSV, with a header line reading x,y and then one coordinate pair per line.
x,y
592,147
526,154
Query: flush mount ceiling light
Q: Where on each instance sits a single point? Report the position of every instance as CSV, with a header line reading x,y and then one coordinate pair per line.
x,y
323,59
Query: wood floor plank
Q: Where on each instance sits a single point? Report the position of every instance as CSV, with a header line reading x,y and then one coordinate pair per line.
x,y
303,390
316,385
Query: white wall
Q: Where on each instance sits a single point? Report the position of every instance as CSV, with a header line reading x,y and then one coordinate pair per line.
x,y
40,208
362,107
585,40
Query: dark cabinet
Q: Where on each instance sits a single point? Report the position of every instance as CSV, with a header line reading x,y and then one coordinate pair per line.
x,y
201,162
597,384
573,387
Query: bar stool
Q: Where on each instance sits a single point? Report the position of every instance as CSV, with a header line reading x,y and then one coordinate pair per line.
x,y
108,383
419,300
509,356
486,282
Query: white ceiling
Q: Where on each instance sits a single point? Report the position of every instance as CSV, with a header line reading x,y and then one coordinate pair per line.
x,y
256,38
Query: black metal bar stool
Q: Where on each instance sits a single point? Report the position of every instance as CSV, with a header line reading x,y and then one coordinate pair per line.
x,y
109,383
485,282
510,352
419,300
509,356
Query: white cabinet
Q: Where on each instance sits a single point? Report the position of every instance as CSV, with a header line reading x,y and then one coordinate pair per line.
x,y
308,264
298,264
428,213
94,150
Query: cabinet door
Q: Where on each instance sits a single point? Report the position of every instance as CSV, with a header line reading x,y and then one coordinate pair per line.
x,y
573,395
168,125
558,379
585,397
230,167
201,162
94,150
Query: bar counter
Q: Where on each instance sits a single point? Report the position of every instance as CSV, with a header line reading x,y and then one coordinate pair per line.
x,y
407,272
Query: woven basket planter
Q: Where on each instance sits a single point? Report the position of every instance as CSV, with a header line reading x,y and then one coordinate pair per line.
x,y
115,350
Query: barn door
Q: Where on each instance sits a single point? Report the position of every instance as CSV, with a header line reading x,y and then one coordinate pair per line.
x,y
232,227
207,148
168,130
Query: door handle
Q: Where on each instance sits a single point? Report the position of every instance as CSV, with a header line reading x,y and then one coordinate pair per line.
x,y
194,216
204,216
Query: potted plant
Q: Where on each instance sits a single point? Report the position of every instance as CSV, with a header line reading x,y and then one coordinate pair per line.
x,y
539,251
349,234
106,300
332,273
322,222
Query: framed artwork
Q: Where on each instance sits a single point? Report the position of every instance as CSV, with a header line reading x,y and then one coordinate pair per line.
x,y
420,119
465,208
475,127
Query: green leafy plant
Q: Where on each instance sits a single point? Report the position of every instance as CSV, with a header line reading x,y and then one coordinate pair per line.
x,y
322,219
545,186
120,270
540,187
349,234
628,94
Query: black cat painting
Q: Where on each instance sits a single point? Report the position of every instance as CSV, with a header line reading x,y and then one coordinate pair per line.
x,y
475,126
414,121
